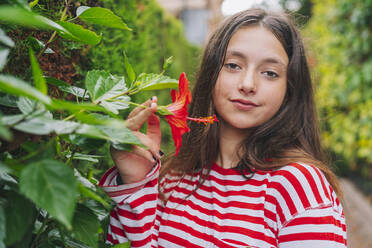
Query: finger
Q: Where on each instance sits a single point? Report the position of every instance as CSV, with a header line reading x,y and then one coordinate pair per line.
x,y
138,109
148,155
137,121
153,129
151,145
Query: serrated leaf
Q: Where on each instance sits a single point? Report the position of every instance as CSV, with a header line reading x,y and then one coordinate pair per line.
x,y
37,73
20,214
52,186
5,39
85,226
129,69
79,33
122,135
65,87
103,87
20,16
15,86
32,108
3,57
155,82
104,17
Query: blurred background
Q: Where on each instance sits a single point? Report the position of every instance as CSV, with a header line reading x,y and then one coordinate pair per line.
x,y
338,37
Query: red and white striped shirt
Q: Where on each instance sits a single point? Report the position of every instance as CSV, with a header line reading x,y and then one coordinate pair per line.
x,y
290,207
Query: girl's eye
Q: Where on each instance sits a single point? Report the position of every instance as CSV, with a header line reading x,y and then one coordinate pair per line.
x,y
232,66
271,74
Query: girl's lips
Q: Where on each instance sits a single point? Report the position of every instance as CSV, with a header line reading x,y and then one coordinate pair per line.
x,y
244,105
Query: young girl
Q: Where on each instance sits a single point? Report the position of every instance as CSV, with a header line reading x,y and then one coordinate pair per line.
x,y
254,179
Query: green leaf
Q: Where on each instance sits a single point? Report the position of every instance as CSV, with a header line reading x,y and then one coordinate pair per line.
x,y
163,111
4,132
86,157
23,17
37,45
155,82
85,143
8,100
15,86
52,186
87,192
20,214
74,107
103,89
81,9
65,87
129,69
122,245
122,135
37,73
2,226
79,33
104,17
3,57
85,226
5,39
167,63
32,108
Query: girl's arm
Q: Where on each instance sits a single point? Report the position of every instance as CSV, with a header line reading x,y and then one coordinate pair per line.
x,y
133,217
132,183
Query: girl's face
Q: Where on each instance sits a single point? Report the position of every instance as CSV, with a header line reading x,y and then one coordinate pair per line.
x,y
252,83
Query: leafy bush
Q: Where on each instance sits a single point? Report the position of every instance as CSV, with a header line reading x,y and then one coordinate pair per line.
x,y
341,32
56,132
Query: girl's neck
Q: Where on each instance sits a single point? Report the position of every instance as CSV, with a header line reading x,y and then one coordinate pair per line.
x,y
230,140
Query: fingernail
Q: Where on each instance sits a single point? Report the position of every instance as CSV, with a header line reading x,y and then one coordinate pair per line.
x,y
161,153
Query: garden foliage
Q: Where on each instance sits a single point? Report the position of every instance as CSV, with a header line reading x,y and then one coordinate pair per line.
x,y
63,98
342,38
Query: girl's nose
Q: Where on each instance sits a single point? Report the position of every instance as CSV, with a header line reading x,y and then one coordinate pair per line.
x,y
247,83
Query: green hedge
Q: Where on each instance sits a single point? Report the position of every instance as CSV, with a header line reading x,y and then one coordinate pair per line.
x,y
341,35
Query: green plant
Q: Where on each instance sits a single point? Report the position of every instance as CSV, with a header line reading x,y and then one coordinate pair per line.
x,y
341,32
55,135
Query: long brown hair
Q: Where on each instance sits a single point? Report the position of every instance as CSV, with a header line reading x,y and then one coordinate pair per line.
x,y
291,135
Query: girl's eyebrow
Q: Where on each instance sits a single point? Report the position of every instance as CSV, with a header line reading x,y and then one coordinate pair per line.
x,y
269,60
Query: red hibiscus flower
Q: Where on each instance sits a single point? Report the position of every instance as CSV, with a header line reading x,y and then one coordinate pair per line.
x,y
178,121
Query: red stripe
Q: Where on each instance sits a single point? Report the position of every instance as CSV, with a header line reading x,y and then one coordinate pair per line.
x,y
226,216
135,216
312,236
321,179
297,187
177,240
222,228
286,196
315,220
310,178
101,182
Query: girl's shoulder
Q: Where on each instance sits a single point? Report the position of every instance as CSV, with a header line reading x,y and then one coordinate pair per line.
x,y
297,187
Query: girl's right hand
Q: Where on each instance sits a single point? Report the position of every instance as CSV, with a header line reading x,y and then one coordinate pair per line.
x,y
133,166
